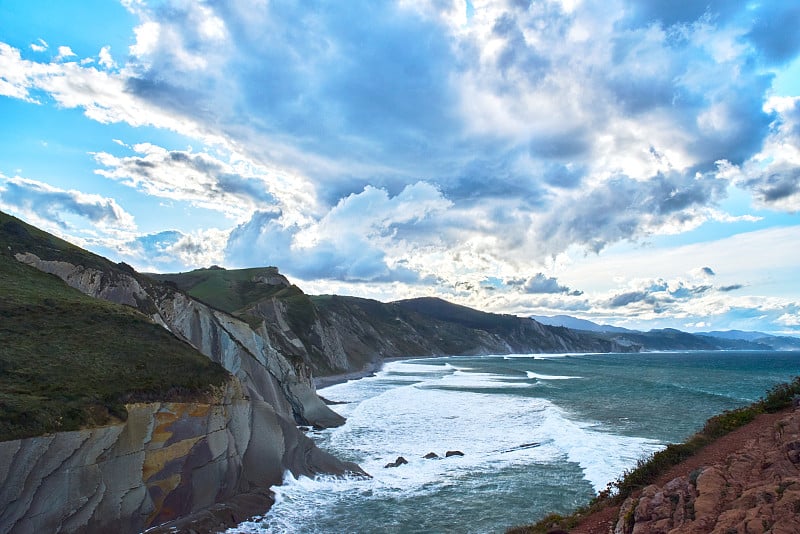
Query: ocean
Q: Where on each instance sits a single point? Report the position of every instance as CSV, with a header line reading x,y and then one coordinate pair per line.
x,y
539,433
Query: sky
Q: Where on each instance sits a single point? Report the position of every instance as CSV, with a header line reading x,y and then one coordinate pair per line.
x,y
630,162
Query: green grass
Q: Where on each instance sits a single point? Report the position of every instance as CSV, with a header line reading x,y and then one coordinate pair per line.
x,y
228,290
650,468
69,361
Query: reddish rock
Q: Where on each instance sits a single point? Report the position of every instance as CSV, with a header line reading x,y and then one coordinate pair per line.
x,y
755,488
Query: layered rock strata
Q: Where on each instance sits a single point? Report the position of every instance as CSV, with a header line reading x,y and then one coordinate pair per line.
x,y
166,461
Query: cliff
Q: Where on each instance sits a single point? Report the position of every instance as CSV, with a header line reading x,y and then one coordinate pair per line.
x,y
167,460
127,403
335,334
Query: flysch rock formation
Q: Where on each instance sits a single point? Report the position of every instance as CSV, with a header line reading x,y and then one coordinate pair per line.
x,y
264,371
349,334
168,460
165,461
754,490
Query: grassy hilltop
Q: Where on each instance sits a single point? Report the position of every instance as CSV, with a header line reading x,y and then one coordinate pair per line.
x,y
68,360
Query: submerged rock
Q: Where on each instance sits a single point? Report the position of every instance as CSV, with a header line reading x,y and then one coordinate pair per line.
x,y
448,454
431,456
397,463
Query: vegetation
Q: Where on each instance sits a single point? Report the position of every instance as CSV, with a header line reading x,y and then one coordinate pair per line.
x,y
68,360
229,290
649,469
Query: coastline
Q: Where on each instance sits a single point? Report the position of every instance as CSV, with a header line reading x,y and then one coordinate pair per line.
x,y
371,369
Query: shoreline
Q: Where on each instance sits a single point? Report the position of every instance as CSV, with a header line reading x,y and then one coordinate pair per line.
x,y
371,369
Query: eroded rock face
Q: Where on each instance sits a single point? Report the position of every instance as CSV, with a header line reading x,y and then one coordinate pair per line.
x,y
756,489
167,460
246,353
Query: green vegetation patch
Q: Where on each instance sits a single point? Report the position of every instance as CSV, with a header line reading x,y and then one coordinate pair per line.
x,y
229,290
650,468
68,360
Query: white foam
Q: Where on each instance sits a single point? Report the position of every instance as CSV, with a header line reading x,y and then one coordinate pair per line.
x,y
411,408
531,374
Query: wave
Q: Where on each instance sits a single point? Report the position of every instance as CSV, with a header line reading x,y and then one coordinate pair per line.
x,y
531,374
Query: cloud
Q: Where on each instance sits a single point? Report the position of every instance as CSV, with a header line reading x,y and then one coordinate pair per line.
x,y
708,271
773,175
171,250
732,287
539,283
105,59
351,242
774,31
39,46
64,52
318,117
659,295
21,194
236,189
628,209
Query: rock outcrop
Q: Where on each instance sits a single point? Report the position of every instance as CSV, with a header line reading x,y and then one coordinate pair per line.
x,y
756,489
231,342
167,460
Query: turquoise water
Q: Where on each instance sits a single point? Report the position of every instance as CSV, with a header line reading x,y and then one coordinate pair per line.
x,y
539,433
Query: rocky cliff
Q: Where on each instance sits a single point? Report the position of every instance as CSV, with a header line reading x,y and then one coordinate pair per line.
x,y
756,488
156,460
165,461
335,334
265,372
345,334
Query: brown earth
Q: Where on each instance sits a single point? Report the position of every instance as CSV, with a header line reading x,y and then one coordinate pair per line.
x,y
745,482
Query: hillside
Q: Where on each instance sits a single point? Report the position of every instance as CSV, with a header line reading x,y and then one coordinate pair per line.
x,y
68,360
338,334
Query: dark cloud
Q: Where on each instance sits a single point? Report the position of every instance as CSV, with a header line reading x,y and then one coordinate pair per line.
x,y
660,294
781,181
733,287
562,176
562,147
539,283
518,58
630,297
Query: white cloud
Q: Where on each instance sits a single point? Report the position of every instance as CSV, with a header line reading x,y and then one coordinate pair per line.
x,y
105,59
86,219
39,46
234,188
64,52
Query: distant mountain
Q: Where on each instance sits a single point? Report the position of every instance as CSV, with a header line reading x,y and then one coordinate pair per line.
x,y
736,334
672,339
781,342
577,324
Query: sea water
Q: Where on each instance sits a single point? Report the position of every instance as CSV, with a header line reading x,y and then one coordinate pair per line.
x,y
539,434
